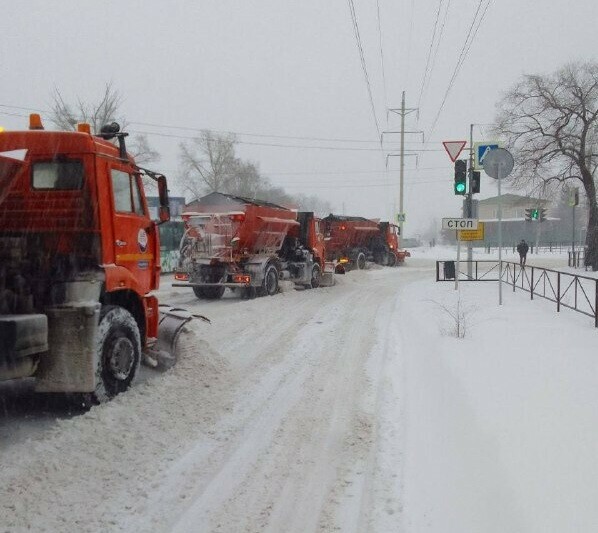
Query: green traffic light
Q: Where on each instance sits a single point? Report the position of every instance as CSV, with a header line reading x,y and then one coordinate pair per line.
x,y
460,187
535,214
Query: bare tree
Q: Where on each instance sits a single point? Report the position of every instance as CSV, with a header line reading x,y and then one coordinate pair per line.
x,y
317,205
142,151
551,124
207,163
245,180
65,116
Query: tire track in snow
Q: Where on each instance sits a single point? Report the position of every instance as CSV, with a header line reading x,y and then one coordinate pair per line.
x,y
308,446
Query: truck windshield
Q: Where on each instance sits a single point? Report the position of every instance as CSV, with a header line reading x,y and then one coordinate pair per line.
x,y
58,175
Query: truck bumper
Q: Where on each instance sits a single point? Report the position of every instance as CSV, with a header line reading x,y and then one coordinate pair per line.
x,y
230,285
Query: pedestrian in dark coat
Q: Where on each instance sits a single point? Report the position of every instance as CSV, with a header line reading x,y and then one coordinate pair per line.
x,y
522,248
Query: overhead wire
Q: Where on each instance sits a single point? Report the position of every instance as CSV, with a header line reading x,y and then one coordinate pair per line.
x,y
230,132
408,61
366,185
280,145
381,53
439,40
343,172
429,55
462,56
358,42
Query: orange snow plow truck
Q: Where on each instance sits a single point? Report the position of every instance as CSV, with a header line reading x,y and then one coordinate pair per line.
x,y
352,241
249,246
79,257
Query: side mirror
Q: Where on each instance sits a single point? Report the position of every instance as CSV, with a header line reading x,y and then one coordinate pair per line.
x,y
234,242
164,211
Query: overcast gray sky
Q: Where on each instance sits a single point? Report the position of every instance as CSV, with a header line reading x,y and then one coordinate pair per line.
x,y
289,72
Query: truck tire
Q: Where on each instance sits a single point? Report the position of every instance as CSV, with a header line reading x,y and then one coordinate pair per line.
x,y
209,293
118,351
316,277
270,284
360,261
392,259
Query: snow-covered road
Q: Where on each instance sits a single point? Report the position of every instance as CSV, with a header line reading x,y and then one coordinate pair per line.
x,y
270,423
346,409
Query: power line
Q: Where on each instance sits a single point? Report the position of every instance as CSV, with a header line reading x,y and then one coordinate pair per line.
x,y
363,64
280,145
251,143
412,16
421,92
440,34
199,130
343,172
462,56
381,52
366,185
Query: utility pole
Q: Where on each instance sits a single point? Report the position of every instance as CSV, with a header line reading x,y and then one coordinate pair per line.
x,y
403,112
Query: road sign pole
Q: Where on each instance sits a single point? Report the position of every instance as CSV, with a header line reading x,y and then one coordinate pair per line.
x,y
498,164
458,260
469,213
499,237
573,236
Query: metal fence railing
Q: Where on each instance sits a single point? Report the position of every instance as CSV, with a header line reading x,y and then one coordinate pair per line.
x,y
568,290
544,247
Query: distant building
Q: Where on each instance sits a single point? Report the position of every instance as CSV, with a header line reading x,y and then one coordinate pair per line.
x,y
514,224
513,207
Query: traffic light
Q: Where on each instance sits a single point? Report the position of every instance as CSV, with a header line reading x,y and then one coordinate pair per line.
x,y
460,177
534,214
475,182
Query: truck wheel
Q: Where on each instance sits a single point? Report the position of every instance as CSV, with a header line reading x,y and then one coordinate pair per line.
x,y
392,259
360,261
209,293
118,351
316,277
199,292
270,285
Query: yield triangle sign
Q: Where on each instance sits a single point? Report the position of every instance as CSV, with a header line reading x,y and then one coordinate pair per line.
x,y
453,148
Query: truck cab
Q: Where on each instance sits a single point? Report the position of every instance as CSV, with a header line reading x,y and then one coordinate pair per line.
x,y
79,258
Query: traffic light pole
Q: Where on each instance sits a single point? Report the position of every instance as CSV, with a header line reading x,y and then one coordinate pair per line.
x,y
469,204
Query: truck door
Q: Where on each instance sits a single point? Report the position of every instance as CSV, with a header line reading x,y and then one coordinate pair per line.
x,y
133,244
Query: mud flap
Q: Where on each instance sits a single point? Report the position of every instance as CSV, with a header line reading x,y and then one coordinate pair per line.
x,y
163,353
70,365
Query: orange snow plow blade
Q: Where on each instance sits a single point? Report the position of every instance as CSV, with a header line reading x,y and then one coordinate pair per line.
x,y
163,353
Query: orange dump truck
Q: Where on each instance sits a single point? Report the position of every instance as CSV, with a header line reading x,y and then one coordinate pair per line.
x,y
249,246
348,240
79,259
352,241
